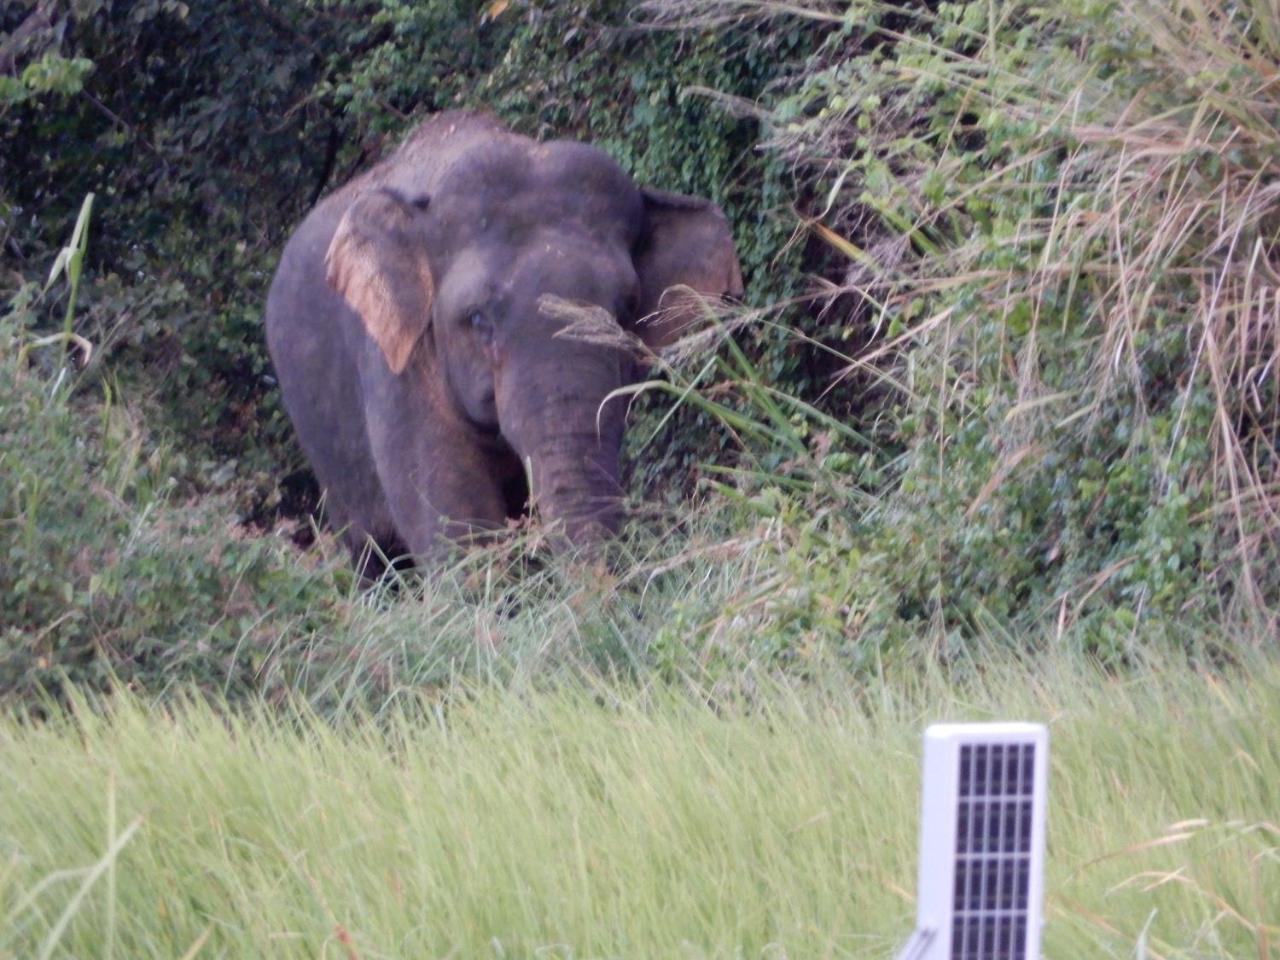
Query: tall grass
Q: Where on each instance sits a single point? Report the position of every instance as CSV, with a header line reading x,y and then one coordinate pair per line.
x,y
588,823
1058,227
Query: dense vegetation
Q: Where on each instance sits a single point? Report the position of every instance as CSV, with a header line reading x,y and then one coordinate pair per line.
x,y
1034,396
996,432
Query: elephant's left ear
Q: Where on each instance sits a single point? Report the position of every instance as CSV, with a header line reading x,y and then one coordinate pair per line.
x,y
686,243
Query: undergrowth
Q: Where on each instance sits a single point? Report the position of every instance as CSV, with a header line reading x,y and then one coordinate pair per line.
x,y
1061,225
1058,232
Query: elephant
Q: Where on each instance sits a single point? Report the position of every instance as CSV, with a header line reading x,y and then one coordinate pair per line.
x,y
433,390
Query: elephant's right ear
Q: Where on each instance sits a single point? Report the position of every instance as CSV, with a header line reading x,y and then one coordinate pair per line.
x,y
377,262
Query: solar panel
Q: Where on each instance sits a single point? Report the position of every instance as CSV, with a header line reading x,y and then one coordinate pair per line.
x,y
981,843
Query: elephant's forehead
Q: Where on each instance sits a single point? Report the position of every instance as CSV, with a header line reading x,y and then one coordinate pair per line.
x,y
548,260
562,262
520,191
572,261
580,167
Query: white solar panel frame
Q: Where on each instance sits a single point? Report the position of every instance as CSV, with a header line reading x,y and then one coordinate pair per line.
x,y
938,854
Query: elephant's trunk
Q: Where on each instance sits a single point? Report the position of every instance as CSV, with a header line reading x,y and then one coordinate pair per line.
x,y
575,487
560,424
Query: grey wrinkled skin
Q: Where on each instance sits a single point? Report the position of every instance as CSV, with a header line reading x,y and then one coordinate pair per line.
x,y
409,329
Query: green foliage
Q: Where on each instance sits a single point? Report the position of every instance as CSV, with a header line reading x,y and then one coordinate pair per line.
x,y
50,74
1068,335
106,573
1047,235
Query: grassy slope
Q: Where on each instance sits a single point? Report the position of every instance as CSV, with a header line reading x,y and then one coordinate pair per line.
x,y
553,826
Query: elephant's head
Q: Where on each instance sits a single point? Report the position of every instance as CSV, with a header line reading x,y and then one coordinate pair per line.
x,y
453,288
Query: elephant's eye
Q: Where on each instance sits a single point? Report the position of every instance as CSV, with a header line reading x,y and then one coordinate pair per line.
x,y
482,326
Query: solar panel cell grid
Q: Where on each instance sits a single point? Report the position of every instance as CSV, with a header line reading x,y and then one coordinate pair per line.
x,y
993,847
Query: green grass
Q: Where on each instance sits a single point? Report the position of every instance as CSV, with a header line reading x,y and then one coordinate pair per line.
x,y
591,824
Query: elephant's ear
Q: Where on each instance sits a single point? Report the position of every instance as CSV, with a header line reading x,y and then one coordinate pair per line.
x,y
686,243
377,262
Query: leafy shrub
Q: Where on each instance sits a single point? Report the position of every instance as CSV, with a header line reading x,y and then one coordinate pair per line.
x,y
106,572
1057,221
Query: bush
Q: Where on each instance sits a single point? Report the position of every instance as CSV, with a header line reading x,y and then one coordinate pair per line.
x,y
107,574
1057,221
